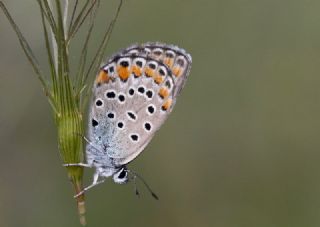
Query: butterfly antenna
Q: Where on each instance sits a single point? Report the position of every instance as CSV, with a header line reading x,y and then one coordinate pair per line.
x,y
135,175
135,186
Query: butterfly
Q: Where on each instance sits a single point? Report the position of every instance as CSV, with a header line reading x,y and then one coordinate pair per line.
x,y
133,94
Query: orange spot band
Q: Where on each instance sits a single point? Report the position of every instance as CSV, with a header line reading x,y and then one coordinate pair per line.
x,y
158,79
136,70
149,72
177,71
168,62
123,72
167,104
164,92
103,77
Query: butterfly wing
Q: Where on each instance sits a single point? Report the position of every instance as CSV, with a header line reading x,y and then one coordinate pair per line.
x,y
175,58
132,97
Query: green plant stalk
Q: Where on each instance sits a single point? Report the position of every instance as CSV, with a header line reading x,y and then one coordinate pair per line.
x,y
67,96
69,120
70,128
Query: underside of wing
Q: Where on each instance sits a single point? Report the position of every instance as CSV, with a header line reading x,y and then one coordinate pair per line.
x,y
132,96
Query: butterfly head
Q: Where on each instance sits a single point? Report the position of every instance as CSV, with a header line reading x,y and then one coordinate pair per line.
x,y
121,176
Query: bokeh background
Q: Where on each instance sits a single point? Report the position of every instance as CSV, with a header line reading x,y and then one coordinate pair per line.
x,y
241,148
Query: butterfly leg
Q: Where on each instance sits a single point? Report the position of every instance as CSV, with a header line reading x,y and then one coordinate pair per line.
x,y
78,164
89,142
94,183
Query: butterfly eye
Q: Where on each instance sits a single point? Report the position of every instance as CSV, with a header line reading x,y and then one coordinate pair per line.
x,y
121,176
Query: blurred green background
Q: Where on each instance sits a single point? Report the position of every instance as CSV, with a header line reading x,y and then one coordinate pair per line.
x,y
241,148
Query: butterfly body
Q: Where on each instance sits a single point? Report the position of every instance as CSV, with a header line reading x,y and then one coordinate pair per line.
x,y
133,94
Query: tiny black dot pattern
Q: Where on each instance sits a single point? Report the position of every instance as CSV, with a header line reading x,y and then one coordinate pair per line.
x,y
168,84
124,64
130,110
141,90
120,124
131,91
180,62
149,94
132,115
152,66
147,126
162,73
169,55
94,123
99,102
151,109
121,98
134,137
111,94
110,115
139,63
